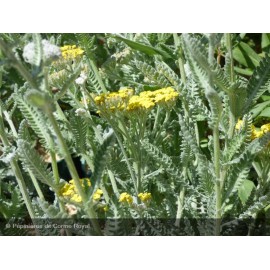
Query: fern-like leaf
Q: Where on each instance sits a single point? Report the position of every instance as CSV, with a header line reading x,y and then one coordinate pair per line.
x,y
256,207
258,83
100,161
79,128
31,160
152,74
37,121
163,160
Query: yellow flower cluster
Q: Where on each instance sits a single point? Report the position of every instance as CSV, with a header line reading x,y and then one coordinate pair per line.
x,y
160,96
71,51
70,192
97,195
140,102
145,196
125,100
125,197
255,132
115,100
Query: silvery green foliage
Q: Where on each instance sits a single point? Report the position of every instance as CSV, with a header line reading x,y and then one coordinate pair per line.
x,y
50,52
8,155
178,148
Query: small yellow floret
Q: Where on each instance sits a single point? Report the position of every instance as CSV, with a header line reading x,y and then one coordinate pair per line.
x,y
97,195
71,51
145,196
125,197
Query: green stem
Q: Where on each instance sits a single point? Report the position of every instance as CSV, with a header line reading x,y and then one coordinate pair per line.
x,y
73,172
167,117
46,80
230,51
232,79
257,168
157,117
90,119
67,156
10,122
217,184
15,134
113,182
180,207
126,133
60,113
17,172
180,59
127,161
36,185
211,50
55,168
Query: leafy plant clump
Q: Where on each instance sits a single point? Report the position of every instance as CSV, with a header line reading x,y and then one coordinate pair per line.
x,y
134,134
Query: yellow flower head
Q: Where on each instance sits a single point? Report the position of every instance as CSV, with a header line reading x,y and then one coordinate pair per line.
x,y
125,197
140,103
97,195
145,196
125,100
69,190
165,95
76,198
114,101
71,52
256,134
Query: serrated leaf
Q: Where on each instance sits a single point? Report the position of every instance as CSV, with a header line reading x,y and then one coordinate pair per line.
x,y
258,83
9,154
38,49
100,161
32,161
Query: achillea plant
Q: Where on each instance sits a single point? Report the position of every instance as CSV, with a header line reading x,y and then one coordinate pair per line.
x,y
171,130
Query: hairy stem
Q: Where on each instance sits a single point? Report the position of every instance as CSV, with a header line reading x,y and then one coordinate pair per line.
x,y
72,169
217,184
232,79
15,134
180,207
180,59
230,52
17,172
113,182
133,177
